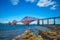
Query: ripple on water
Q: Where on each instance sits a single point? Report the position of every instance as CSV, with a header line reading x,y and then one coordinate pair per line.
x,y
8,32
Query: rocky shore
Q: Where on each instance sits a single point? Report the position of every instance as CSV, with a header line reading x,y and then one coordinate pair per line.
x,y
49,35
54,28
29,35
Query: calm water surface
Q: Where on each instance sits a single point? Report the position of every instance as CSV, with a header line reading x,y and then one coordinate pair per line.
x,y
7,32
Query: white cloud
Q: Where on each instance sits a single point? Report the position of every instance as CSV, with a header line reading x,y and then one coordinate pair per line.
x,y
53,7
14,2
46,3
30,1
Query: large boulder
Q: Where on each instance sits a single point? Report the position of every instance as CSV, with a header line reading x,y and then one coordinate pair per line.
x,y
28,35
50,35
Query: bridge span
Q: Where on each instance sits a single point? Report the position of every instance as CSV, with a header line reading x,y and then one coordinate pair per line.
x,y
27,20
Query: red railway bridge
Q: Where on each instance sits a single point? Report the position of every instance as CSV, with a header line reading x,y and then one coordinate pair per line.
x,y
27,20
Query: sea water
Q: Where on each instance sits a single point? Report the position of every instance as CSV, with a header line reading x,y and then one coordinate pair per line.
x,y
8,32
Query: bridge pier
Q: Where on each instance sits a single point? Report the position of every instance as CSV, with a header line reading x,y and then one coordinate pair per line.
x,y
42,21
48,22
38,21
54,21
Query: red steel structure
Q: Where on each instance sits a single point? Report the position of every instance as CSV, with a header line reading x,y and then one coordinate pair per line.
x,y
26,20
14,22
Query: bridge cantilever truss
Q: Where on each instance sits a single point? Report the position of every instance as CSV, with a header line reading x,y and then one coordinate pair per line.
x,y
27,20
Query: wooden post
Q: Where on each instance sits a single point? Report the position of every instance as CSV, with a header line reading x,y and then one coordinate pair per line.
x,y
47,21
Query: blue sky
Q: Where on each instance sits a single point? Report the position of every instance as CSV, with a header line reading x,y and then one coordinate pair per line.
x,y
18,9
